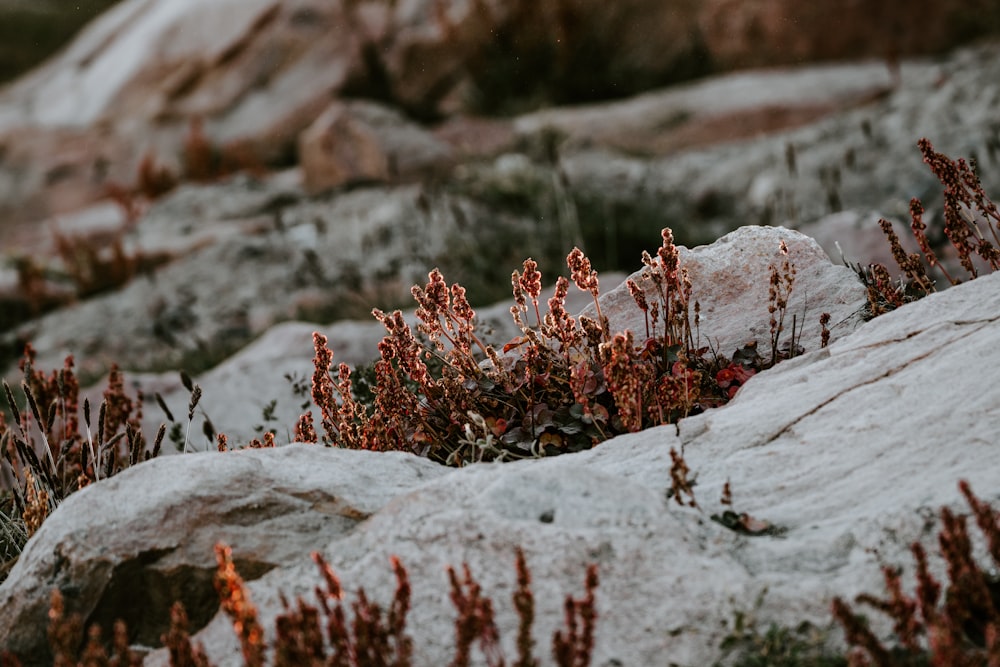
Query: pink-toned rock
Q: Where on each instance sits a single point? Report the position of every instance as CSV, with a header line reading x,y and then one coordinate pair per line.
x,y
363,141
256,72
712,111
859,237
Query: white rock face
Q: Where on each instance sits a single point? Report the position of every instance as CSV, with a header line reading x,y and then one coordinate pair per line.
x,y
730,280
850,450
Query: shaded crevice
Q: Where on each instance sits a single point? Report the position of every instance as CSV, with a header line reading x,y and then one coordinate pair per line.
x,y
141,592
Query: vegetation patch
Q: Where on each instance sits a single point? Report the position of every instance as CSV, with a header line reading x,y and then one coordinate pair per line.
x,y
565,384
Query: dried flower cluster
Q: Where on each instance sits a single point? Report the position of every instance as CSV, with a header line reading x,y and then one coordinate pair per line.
x,y
971,223
307,635
960,628
779,291
563,385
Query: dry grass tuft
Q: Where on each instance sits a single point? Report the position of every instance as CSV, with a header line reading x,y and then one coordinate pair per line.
x,y
47,453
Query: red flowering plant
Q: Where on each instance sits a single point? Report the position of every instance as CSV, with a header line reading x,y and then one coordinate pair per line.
x,y
565,384
338,633
955,623
971,224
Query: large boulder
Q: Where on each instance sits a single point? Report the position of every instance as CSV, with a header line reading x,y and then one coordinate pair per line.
x,y
720,109
860,158
258,72
846,452
162,549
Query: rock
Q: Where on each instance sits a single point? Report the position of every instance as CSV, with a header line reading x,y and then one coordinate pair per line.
x,y
781,31
864,158
499,56
720,109
162,545
257,73
848,450
48,171
731,280
359,141
471,137
858,236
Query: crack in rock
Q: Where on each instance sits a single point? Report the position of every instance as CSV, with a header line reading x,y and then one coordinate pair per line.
x,y
889,373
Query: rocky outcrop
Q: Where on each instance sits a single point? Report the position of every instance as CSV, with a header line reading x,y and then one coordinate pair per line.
x,y
730,279
163,548
249,254
359,142
845,451
863,158
259,72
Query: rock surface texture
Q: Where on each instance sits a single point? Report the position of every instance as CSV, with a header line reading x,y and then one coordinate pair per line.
x,y
730,280
217,263
848,450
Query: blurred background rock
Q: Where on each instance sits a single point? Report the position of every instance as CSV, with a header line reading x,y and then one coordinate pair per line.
x,y
32,30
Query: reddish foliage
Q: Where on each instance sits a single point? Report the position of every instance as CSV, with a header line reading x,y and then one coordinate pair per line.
x,y
971,223
564,385
236,604
574,645
960,631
